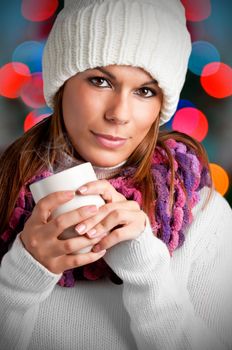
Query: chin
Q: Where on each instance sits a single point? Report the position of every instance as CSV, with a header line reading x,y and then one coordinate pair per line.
x,y
106,163
103,159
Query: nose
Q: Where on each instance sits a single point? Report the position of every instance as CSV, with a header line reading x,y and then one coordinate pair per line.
x,y
118,110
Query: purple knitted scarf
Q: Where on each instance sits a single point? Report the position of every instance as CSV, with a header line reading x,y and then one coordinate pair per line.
x,y
170,227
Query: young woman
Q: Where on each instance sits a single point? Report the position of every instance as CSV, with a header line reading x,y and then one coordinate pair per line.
x,y
158,275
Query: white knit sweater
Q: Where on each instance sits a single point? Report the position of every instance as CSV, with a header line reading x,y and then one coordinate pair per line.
x,y
180,302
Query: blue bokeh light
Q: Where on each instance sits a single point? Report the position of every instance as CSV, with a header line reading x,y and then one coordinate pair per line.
x,y
30,53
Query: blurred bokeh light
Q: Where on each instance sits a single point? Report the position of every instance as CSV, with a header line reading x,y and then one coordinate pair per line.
x,y
34,117
197,10
38,10
202,54
192,122
29,53
13,76
185,103
32,92
216,79
220,178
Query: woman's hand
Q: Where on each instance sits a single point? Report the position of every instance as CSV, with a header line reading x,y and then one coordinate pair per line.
x,y
40,235
119,218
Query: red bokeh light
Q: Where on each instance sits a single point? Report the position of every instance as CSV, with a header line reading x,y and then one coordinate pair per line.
x,y
32,92
38,10
216,79
32,119
13,76
191,121
197,10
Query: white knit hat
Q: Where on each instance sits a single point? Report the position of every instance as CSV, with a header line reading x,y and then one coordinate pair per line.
x,y
150,34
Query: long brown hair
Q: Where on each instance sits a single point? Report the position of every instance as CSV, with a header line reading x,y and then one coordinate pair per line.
x,y
39,147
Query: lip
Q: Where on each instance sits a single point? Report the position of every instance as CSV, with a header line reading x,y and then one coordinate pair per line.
x,y
109,137
109,141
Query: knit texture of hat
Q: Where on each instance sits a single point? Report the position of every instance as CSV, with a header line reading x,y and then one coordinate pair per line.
x,y
150,34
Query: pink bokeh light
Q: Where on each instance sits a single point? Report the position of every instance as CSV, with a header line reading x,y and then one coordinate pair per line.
x,y
191,121
32,92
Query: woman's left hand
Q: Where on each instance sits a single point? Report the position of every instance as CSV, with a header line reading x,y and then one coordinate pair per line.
x,y
122,219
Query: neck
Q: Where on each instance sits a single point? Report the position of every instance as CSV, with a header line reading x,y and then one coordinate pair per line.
x,y
101,172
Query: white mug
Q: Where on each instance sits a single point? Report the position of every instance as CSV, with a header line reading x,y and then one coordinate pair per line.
x,y
70,179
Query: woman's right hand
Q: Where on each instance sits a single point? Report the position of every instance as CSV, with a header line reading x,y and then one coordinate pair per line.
x,y
41,232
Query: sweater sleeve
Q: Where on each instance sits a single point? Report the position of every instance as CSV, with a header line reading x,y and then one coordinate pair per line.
x,y
165,312
24,283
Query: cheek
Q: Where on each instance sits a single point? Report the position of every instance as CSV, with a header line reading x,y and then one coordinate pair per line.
x,y
144,124
74,112
147,114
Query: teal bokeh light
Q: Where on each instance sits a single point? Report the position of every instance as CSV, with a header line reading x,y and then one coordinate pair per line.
x,y
203,53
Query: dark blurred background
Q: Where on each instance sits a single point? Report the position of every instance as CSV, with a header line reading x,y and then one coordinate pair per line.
x,y
205,107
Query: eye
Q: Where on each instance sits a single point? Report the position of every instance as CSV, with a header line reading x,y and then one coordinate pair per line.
x,y
99,81
145,89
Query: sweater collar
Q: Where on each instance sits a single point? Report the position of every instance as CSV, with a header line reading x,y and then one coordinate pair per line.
x,y
68,161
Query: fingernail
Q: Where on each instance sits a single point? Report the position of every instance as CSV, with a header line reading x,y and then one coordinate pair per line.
x,y
92,232
80,228
82,189
69,194
92,209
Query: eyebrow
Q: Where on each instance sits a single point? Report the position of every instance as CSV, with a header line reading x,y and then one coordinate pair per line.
x,y
114,78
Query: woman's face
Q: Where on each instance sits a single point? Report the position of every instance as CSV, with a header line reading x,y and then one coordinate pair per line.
x,y
108,111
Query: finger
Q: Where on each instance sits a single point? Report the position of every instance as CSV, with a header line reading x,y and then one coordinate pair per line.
x,y
71,245
125,233
66,220
104,211
46,205
103,188
68,262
